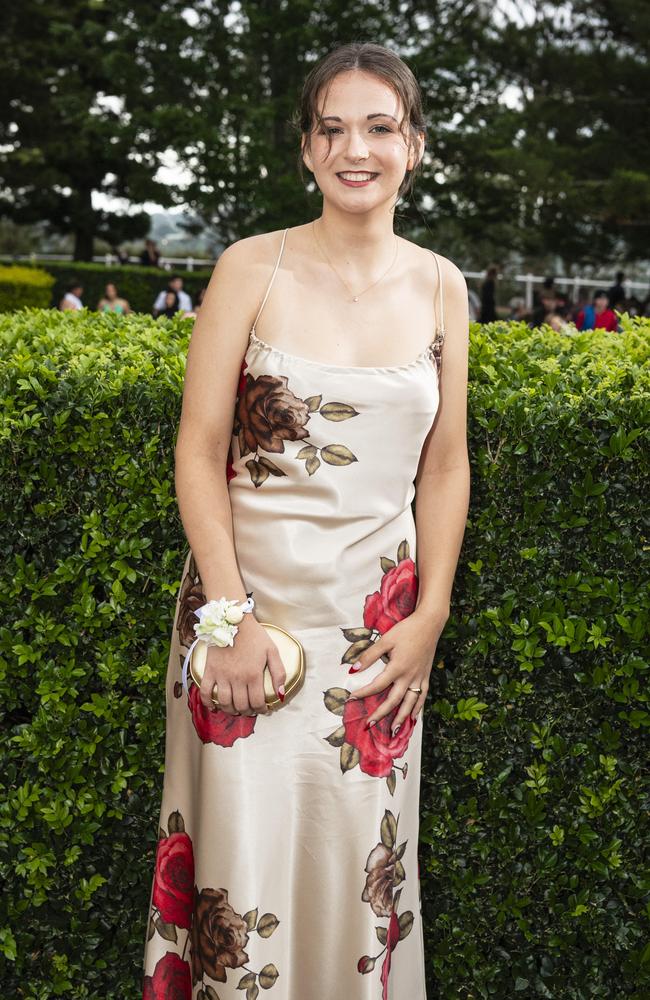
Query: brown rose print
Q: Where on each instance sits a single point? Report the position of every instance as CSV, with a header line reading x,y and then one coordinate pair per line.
x,y
268,413
375,749
217,934
191,597
385,872
216,727
219,939
435,350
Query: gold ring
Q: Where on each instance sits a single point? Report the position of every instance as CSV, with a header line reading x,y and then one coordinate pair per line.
x,y
418,690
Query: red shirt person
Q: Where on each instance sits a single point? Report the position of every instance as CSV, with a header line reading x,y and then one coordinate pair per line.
x,y
598,315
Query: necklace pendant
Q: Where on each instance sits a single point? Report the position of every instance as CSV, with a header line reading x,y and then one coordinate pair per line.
x,y
355,298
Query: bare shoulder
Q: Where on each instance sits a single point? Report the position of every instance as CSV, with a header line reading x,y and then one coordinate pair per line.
x,y
452,277
252,251
238,280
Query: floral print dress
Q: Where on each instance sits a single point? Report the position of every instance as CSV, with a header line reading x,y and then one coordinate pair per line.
x,y
287,855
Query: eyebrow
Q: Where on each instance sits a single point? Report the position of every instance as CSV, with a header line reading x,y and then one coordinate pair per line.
x,y
376,114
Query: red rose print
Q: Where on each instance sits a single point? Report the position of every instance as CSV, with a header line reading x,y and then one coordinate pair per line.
x,y
242,378
218,727
230,472
171,980
377,747
173,890
391,941
395,600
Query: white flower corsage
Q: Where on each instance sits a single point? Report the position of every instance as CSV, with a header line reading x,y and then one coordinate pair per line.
x,y
217,625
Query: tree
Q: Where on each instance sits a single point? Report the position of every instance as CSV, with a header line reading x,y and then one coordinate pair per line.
x,y
85,111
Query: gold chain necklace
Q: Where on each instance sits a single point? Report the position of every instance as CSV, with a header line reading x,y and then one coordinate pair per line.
x,y
355,298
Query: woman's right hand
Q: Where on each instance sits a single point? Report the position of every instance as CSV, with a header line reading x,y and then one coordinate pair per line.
x,y
238,671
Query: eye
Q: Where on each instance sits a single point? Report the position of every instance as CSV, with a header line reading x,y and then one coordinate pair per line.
x,y
334,129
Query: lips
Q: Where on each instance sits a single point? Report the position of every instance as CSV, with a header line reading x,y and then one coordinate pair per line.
x,y
357,174
357,178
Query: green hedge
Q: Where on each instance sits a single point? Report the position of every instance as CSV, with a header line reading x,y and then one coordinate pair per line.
x,y
534,785
139,285
24,286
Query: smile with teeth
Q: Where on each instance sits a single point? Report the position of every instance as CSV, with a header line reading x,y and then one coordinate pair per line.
x,y
356,176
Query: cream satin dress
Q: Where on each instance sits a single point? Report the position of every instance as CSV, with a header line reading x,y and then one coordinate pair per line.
x,y
287,856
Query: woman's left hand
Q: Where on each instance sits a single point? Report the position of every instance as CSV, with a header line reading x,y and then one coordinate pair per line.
x,y
411,645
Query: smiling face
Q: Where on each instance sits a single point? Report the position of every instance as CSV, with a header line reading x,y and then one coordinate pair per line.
x,y
369,155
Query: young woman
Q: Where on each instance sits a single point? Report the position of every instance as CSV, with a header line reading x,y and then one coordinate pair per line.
x,y
112,302
288,846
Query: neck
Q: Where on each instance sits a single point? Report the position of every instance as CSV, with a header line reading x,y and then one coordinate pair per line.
x,y
361,243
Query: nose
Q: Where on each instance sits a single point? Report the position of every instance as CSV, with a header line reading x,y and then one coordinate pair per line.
x,y
356,146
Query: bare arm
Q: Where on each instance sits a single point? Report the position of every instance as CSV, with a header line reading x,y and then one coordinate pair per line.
x,y
217,346
443,478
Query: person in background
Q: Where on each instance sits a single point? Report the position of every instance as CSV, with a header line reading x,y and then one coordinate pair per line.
x,y
488,296
547,305
111,302
193,313
72,298
150,256
563,305
547,290
559,323
518,310
170,306
616,293
122,255
175,284
474,305
598,315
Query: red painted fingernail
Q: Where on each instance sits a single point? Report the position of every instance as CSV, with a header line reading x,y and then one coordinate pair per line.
x,y
371,723
397,729
281,692
355,666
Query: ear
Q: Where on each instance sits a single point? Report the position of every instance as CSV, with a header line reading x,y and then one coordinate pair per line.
x,y
416,154
306,155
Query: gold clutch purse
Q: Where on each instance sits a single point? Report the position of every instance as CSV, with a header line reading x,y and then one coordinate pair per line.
x,y
292,655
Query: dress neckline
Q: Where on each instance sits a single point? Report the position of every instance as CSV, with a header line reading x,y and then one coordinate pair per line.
x,y
426,355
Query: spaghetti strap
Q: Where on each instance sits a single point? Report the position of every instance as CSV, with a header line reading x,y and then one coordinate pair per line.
x,y
277,264
435,347
441,325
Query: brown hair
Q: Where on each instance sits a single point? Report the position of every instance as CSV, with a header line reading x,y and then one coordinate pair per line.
x,y
380,62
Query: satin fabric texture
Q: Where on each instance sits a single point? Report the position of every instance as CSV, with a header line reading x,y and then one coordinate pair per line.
x,y
287,852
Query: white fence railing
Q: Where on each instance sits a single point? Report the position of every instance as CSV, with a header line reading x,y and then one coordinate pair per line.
x,y
527,280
